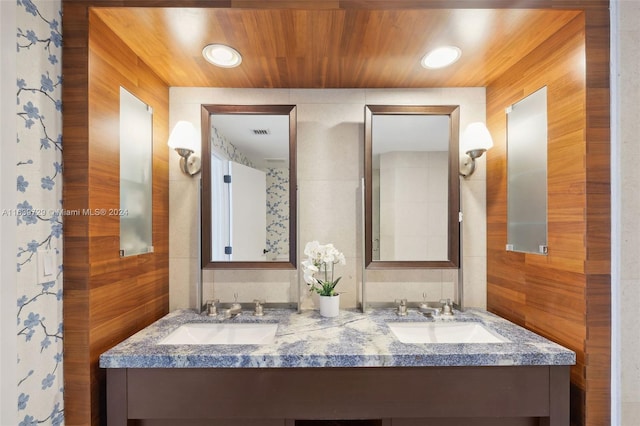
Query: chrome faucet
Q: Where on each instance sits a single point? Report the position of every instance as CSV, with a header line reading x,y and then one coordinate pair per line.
x,y
402,307
447,307
258,311
211,308
427,310
234,310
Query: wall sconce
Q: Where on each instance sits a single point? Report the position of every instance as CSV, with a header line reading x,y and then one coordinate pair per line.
x,y
476,139
184,140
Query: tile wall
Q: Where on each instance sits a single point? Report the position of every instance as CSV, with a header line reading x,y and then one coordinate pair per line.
x,y
45,404
330,167
629,262
414,223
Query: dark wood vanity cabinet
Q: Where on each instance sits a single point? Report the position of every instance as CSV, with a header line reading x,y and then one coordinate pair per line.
x,y
385,396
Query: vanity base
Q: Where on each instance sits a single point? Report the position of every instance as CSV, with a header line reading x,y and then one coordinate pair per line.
x,y
381,422
394,396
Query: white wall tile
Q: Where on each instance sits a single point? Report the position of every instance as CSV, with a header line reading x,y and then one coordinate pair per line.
x,y
222,95
329,142
271,292
475,272
184,224
433,96
330,165
183,278
629,87
629,13
328,96
474,207
630,413
328,214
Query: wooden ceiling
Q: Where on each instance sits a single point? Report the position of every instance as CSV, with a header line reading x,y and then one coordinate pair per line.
x,y
347,48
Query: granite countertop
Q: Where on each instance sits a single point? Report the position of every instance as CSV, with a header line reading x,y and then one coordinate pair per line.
x,y
352,339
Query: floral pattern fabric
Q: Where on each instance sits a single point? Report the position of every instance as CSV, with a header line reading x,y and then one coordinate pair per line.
x,y
39,213
278,212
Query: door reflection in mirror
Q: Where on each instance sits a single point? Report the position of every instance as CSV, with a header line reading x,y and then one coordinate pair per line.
x,y
247,200
242,207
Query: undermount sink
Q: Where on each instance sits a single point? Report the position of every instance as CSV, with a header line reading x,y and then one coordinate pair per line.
x,y
222,334
443,332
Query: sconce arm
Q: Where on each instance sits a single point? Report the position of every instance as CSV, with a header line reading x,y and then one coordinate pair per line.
x,y
470,165
189,163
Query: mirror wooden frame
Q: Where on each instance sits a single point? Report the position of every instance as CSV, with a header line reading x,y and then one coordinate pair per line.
x,y
206,112
453,111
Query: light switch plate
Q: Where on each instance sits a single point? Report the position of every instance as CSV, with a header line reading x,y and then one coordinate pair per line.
x,y
47,265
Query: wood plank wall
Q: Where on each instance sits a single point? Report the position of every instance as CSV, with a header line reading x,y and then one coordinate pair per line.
x,y
106,298
564,296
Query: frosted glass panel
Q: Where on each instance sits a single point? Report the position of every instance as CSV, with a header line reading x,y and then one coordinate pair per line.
x,y
136,148
527,174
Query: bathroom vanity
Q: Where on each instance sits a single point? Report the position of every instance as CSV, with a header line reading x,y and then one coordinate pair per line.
x,y
347,368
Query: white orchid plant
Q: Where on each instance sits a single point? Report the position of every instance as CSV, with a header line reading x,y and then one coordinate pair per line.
x,y
320,260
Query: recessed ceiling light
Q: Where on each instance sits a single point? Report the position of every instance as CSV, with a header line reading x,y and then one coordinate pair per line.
x,y
441,57
222,55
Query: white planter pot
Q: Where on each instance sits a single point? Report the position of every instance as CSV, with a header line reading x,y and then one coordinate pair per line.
x,y
330,306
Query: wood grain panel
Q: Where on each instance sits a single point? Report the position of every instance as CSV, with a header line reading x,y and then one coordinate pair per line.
x,y
559,295
90,289
471,4
107,298
77,377
280,49
598,262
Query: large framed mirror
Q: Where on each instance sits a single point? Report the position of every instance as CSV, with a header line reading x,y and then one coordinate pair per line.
x,y
249,187
412,186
